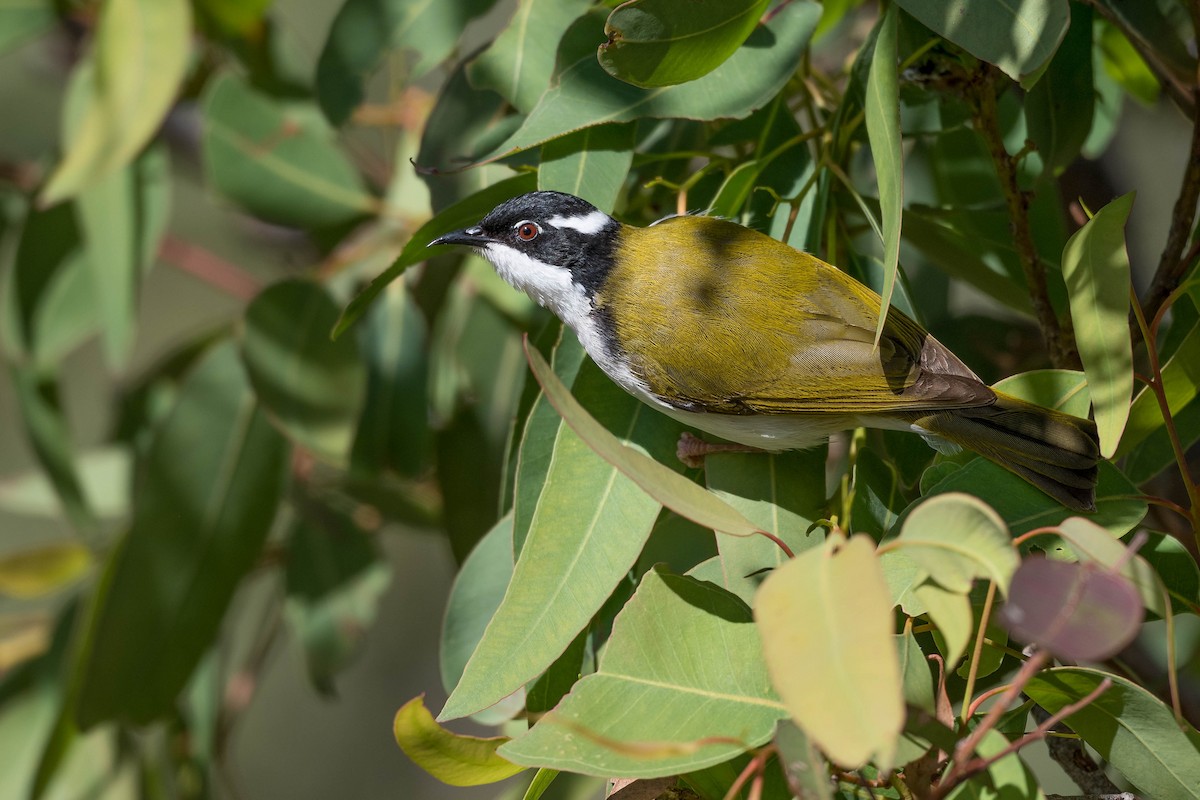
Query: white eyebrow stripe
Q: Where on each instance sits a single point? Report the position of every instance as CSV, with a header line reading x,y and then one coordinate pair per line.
x,y
592,222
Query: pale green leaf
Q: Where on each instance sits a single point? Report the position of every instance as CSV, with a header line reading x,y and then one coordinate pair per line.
x,y
956,538
103,475
681,685
1130,728
1096,269
586,533
804,610
137,62
452,758
883,132
1063,390
23,19
1005,779
1180,383
1093,544
663,42
951,613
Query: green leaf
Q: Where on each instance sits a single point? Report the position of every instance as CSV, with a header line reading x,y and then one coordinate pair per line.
x,y
364,31
1125,65
665,42
883,132
687,652
311,386
1118,505
585,95
781,493
212,477
131,75
476,594
393,430
1180,384
1155,32
334,579
540,783
451,758
1019,38
590,524
917,676
518,63
951,613
122,218
1096,269
539,437
803,611
278,162
1063,390
1059,108
668,487
50,438
460,215
878,495
1130,728
1005,779
591,163
956,538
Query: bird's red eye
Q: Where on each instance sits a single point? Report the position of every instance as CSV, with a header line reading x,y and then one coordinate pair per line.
x,y
527,231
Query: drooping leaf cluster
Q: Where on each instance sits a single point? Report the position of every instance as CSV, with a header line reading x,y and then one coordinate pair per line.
x,y
870,618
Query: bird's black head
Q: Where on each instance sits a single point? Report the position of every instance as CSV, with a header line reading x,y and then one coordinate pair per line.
x,y
531,237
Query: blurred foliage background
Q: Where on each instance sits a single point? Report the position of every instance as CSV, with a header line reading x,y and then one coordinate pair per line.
x,y
226,542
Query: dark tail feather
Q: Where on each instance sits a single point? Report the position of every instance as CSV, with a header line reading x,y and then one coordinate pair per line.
x,y
1055,452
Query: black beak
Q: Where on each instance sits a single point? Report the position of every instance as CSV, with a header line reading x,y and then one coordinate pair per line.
x,y
471,237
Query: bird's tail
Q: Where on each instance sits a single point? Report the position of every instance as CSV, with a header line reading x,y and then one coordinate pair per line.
x,y
1054,451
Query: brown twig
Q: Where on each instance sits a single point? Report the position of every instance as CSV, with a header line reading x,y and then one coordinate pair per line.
x,y
1057,334
208,267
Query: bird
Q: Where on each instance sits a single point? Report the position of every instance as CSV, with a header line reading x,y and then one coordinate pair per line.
x,y
748,339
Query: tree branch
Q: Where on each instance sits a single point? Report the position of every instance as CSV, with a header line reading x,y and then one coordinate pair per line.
x,y
1057,334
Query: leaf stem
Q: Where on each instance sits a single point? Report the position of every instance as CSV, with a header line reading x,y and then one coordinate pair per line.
x,y
973,671
1164,406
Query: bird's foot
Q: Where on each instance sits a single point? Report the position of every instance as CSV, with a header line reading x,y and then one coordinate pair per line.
x,y
691,450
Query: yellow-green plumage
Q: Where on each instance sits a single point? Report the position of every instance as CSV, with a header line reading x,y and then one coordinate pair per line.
x,y
747,338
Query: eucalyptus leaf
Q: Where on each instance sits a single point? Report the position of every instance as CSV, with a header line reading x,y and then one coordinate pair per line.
x,y
663,43
955,538
132,73
1019,38
1060,106
213,475
591,163
585,95
687,652
277,161
312,386
1130,728
451,758
883,132
803,610
1096,269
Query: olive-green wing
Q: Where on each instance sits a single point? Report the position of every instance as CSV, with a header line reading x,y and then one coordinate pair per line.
x,y
754,326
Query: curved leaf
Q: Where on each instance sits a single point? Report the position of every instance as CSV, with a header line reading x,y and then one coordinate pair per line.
x,y
1018,37
591,163
130,79
1096,269
1129,727
883,132
665,42
451,758
804,610
956,538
